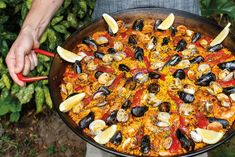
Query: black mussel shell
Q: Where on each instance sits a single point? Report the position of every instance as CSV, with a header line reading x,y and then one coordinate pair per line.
x,y
205,79
145,144
85,122
139,53
123,67
138,25
186,97
165,41
98,55
230,65
157,23
215,48
130,83
139,111
97,74
224,122
132,40
181,45
196,37
229,90
197,59
185,142
112,118
77,66
111,50
154,75
153,88
117,138
175,59
164,107
126,104
179,73
173,31
105,90
90,42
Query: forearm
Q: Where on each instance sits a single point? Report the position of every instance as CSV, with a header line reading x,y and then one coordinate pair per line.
x,y
40,15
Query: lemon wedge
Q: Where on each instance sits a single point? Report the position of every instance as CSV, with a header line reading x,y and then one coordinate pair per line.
x,y
106,135
69,103
69,56
221,36
167,23
111,23
209,136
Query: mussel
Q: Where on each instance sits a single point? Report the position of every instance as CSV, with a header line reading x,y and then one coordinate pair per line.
x,y
145,144
206,79
196,37
152,43
77,66
98,55
123,67
105,90
153,88
229,90
179,73
181,45
230,65
175,59
97,74
85,122
173,31
138,25
139,53
111,50
126,104
112,118
132,40
197,59
154,75
165,40
157,23
130,83
186,97
139,111
164,107
224,122
90,42
117,138
186,143
215,48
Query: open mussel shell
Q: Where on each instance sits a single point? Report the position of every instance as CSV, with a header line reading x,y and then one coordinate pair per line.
x,y
145,144
181,45
215,48
186,97
112,118
139,111
86,121
196,37
105,90
77,66
130,83
230,65
111,50
126,104
154,75
224,122
140,77
173,31
123,67
139,53
197,59
179,73
175,59
132,40
117,138
153,88
98,55
138,25
157,23
97,74
206,79
186,143
165,41
229,90
90,42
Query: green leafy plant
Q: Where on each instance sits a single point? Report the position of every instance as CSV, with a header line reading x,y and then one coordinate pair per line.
x,y
72,15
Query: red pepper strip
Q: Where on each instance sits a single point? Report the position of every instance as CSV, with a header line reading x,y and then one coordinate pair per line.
x,y
43,52
214,55
202,121
147,63
137,97
105,69
175,146
172,70
78,88
162,76
222,59
129,52
139,135
105,116
87,100
177,100
182,124
116,81
123,35
227,83
71,75
31,79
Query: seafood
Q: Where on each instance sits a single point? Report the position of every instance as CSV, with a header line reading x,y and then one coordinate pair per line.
x,y
90,42
138,25
139,53
117,138
181,45
86,121
206,79
123,67
215,48
175,59
139,111
186,97
197,59
230,65
186,142
145,144
196,36
97,126
179,73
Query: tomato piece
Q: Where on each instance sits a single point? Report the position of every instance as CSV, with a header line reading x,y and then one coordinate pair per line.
x,y
105,69
175,146
177,100
129,52
116,81
202,121
123,35
139,135
182,125
87,100
105,116
78,88
137,97
227,83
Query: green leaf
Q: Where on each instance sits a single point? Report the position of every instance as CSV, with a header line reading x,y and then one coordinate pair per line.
x,y
24,10
7,81
14,117
29,3
43,37
5,93
60,28
47,96
3,19
2,5
4,48
15,89
4,109
25,94
52,39
16,107
56,20
39,98
72,20
66,3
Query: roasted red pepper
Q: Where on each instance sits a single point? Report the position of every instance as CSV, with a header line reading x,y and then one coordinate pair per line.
x,y
175,146
202,121
147,63
182,125
227,83
116,81
177,100
31,79
105,69
139,135
87,100
129,52
137,97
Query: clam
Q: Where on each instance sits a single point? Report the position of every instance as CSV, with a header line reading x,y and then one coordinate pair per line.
x,y
157,65
141,77
167,143
203,43
184,64
122,115
185,109
107,58
226,75
163,116
204,68
105,136
215,88
189,88
106,79
119,56
163,124
91,65
97,126
224,99
118,46
102,40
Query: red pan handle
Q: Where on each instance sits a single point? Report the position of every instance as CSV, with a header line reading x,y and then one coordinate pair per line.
x,y
33,79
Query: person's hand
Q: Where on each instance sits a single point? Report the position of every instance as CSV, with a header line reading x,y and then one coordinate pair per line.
x,y
21,58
